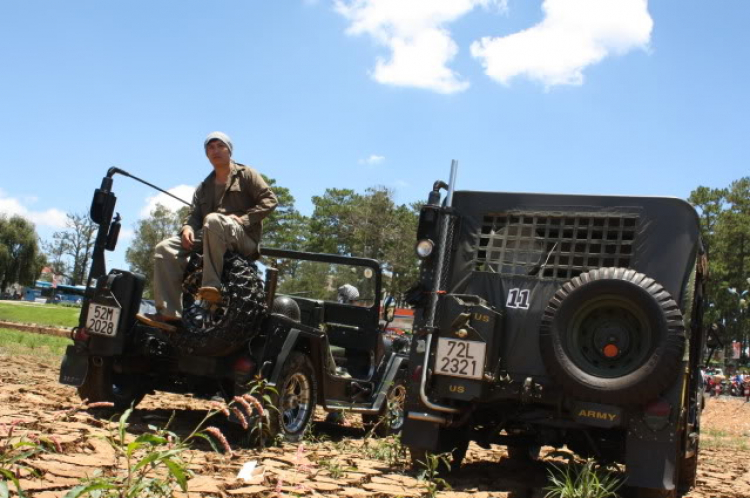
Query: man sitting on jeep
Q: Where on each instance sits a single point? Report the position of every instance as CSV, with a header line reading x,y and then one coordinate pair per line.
x,y
227,212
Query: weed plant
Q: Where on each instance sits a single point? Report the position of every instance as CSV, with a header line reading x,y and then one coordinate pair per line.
x,y
261,430
155,464
582,480
14,451
430,474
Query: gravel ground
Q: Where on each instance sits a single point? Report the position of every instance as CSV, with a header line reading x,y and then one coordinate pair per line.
x,y
337,461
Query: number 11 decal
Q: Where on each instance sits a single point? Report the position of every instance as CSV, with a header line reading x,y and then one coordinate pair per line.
x,y
518,299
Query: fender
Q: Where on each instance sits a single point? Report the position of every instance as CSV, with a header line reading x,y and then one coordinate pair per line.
x,y
296,333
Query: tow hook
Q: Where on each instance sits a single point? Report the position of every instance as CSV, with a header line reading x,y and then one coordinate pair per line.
x,y
530,390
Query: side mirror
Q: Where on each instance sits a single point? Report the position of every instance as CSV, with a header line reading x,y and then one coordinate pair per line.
x,y
102,205
113,234
389,309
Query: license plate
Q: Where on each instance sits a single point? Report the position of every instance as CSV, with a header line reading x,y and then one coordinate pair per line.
x,y
460,358
102,320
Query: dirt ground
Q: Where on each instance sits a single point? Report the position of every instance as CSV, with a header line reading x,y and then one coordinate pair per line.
x,y
337,462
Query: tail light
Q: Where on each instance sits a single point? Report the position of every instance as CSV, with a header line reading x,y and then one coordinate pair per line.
x,y
243,365
656,414
80,334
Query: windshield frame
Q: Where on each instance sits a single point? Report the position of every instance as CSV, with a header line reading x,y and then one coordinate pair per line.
x,y
273,253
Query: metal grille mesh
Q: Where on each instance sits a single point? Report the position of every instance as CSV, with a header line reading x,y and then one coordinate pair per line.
x,y
554,245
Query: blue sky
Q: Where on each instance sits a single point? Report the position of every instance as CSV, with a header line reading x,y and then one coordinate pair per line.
x,y
572,96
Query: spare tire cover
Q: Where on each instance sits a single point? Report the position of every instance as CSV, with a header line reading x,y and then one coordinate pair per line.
x,y
221,329
612,335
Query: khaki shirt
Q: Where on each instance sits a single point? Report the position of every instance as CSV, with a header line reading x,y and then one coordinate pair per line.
x,y
246,194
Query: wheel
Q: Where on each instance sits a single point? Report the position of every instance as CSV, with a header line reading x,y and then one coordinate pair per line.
x,y
103,384
418,457
296,398
526,453
612,335
217,330
688,473
390,420
687,470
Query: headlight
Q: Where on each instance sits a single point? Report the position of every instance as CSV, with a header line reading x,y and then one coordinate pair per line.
x,y
424,248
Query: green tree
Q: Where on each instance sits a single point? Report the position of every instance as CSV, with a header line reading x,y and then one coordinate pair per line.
x,y
400,257
75,243
55,252
330,228
20,259
368,225
709,203
725,227
285,228
161,224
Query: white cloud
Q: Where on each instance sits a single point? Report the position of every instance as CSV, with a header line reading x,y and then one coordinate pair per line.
x,y
573,35
373,159
414,32
126,233
53,218
182,191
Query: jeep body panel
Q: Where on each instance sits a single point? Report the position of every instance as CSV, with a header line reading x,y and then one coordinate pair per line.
x,y
510,261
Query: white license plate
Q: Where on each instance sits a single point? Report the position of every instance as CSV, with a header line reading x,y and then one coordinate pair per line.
x,y
102,320
459,358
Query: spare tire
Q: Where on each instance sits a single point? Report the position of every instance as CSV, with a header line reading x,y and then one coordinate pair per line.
x,y
612,335
217,330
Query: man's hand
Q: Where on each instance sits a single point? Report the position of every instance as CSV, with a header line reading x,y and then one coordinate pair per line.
x,y
188,237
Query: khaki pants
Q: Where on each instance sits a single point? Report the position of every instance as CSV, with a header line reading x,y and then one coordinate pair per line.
x,y
220,234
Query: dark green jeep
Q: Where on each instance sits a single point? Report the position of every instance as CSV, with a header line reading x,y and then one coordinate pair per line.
x,y
546,319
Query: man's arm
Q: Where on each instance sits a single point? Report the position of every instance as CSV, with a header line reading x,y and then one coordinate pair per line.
x,y
194,219
265,199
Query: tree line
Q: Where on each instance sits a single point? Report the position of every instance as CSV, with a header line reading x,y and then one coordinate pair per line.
x,y
725,229
343,222
23,255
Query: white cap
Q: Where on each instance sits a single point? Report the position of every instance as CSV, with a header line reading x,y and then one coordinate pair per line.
x,y
217,135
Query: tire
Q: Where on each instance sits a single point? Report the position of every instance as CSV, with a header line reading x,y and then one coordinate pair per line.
x,y
687,468
294,404
688,473
638,320
221,329
391,418
103,384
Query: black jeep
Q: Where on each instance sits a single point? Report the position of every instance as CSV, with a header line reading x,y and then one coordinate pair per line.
x,y
311,349
560,320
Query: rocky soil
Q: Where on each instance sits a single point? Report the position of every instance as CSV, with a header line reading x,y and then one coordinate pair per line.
x,y
337,460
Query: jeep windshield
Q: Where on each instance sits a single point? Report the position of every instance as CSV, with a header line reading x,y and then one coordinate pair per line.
x,y
329,278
